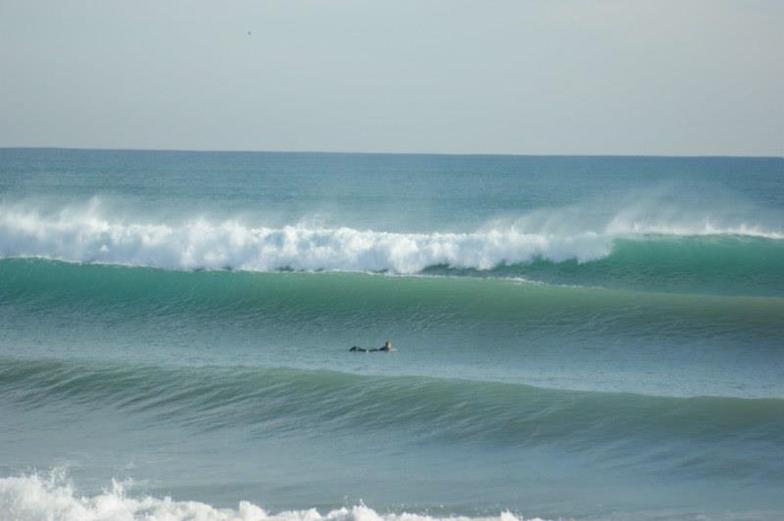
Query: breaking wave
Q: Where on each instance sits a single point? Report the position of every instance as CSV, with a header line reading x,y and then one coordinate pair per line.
x,y
88,236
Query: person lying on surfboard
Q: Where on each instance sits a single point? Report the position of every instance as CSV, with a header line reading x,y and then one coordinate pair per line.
x,y
387,347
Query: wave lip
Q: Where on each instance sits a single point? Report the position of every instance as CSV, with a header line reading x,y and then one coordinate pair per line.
x,y
32,497
87,236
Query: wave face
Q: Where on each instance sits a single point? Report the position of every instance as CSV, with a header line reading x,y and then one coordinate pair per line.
x,y
282,401
699,258
498,330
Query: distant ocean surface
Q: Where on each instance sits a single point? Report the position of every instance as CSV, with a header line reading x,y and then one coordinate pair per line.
x,y
588,338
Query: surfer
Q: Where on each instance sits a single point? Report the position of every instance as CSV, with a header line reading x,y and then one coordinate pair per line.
x,y
387,347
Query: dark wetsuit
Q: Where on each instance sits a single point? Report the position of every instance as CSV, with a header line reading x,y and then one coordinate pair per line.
x,y
357,349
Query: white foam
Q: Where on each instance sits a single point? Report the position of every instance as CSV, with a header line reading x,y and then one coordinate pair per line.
x,y
87,235
90,237
53,498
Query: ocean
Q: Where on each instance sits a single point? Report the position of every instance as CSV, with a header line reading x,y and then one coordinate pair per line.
x,y
587,338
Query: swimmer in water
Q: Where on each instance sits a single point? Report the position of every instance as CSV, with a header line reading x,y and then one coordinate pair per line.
x,y
387,347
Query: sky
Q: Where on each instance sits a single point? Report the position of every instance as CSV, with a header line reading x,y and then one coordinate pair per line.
x,y
688,77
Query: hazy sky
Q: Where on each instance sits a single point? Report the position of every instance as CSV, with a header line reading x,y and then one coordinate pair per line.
x,y
549,77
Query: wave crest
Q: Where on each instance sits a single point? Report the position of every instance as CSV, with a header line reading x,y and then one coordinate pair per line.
x,y
88,236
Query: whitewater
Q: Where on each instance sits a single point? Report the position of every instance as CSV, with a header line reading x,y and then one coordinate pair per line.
x,y
33,498
87,235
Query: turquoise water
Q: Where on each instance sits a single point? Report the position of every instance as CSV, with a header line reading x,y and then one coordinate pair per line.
x,y
576,337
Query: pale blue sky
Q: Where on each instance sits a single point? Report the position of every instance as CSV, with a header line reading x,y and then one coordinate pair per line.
x,y
555,77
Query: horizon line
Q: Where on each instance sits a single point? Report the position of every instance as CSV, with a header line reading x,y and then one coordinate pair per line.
x,y
379,153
